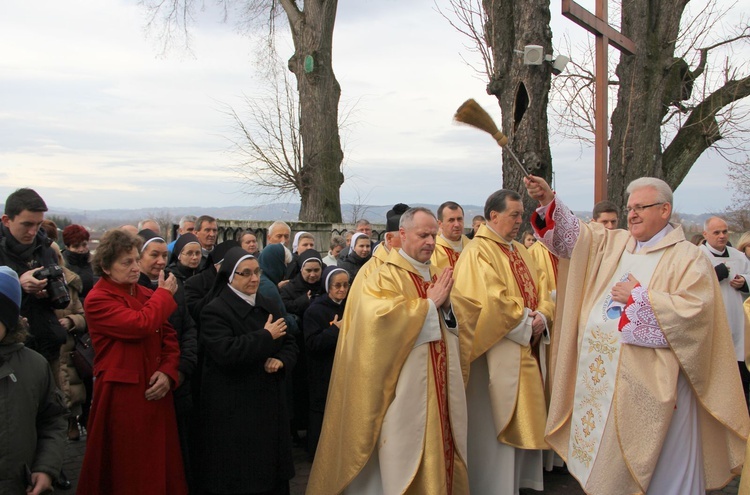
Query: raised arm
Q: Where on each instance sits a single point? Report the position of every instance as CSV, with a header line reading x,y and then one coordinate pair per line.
x,y
553,222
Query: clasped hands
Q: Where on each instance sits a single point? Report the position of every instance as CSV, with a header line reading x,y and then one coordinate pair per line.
x,y
440,290
537,327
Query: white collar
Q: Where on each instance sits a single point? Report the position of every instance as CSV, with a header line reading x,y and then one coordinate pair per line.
x,y
655,239
457,246
248,299
715,251
422,268
509,243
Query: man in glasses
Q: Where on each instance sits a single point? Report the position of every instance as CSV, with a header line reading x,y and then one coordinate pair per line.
x,y
395,419
646,396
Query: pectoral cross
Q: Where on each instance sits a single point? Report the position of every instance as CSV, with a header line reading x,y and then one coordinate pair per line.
x,y
605,35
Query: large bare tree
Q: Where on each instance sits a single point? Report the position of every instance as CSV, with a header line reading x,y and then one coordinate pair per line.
x,y
268,145
673,101
659,85
311,23
496,29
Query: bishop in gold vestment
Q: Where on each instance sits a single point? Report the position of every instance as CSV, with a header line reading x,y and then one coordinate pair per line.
x,y
395,419
503,307
646,396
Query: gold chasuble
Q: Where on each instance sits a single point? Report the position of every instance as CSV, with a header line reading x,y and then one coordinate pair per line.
x,y
645,382
377,259
395,419
444,255
495,288
546,262
553,269
745,481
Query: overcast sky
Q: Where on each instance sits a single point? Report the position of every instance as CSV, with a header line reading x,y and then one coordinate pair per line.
x,y
93,119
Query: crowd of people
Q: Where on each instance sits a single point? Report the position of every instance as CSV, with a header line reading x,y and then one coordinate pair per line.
x,y
434,361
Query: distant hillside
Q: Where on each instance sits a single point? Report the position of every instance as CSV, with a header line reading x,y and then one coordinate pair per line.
x,y
96,219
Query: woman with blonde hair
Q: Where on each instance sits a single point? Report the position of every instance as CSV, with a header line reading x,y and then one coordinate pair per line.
x,y
744,244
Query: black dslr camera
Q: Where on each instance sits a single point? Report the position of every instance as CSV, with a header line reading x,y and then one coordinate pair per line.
x,y
56,289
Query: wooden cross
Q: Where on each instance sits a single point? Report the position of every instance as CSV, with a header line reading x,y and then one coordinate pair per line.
x,y
605,35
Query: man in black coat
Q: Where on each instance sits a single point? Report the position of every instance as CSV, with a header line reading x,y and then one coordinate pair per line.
x,y
25,248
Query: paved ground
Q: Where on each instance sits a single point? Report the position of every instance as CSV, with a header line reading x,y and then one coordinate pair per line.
x,y
554,483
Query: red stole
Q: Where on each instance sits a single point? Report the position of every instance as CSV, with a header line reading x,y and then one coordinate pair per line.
x,y
554,260
525,282
523,277
439,355
452,255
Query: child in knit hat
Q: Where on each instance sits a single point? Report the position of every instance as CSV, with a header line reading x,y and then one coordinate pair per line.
x,y
33,442
10,300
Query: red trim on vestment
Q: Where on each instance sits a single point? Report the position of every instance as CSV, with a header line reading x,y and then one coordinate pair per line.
x,y
549,223
554,260
452,255
522,274
624,320
439,360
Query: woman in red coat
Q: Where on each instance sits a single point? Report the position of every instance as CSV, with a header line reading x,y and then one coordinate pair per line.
x,y
132,446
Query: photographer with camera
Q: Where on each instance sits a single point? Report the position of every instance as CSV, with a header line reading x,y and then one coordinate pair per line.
x,y
25,248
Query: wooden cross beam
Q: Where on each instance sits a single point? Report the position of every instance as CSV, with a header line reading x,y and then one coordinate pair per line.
x,y
605,35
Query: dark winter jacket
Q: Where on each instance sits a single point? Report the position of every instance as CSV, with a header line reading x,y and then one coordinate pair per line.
x,y
81,265
321,337
352,263
34,418
47,335
187,334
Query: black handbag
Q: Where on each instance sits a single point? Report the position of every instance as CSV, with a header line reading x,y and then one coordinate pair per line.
x,y
82,356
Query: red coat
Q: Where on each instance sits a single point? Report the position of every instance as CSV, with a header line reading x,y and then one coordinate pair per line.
x,y
132,446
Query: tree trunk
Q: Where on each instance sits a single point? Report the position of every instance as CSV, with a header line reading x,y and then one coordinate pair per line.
x,y
522,90
647,88
319,93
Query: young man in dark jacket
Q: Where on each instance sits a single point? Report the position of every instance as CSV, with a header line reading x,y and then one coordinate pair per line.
x,y
25,248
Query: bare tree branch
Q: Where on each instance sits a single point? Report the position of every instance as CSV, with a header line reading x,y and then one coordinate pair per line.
x,y
470,19
269,145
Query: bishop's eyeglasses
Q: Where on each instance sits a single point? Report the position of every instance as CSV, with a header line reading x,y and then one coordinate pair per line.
x,y
638,208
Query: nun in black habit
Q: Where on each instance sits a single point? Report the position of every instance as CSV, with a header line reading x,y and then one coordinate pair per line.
x,y
247,444
306,284
321,326
185,257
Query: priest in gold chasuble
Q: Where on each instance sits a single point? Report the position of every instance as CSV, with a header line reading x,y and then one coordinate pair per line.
x,y
555,271
395,419
503,307
546,262
392,241
646,397
451,239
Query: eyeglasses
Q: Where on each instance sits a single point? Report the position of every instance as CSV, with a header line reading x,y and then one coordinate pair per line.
x,y
639,209
247,273
342,285
191,254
